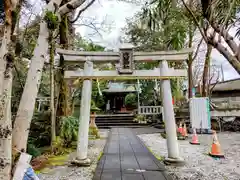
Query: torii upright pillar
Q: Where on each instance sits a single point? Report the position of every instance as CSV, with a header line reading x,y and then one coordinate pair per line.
x,y
84,118
170,124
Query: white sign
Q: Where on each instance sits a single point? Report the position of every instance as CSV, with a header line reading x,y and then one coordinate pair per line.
x,y
199,113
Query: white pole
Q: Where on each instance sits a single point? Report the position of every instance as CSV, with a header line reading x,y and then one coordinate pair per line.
x,y
82,145
168,111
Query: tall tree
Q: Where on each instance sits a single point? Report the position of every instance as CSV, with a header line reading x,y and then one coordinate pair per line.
x,y
7,57
27,103
206,72
52,86
157,27
218,17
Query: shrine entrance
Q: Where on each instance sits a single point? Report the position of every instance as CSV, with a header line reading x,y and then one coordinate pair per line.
x,y
115,96
125,61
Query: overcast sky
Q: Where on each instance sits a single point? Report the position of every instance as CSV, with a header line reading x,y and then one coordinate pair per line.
x,y
112,14
115,14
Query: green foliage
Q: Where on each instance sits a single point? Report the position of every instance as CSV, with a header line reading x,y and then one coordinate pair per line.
x,y
100,156
161,16
158,26
58,146
33,150
79,42
131,100
29,37
164,136
44,90
69,130
19,78
140,119
51,20
94,108
40,130
93,131
96,97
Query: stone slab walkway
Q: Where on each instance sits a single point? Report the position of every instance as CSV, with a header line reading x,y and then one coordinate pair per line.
x,y
126,158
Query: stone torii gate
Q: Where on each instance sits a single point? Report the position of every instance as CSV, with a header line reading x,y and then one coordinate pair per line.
x,y
125,60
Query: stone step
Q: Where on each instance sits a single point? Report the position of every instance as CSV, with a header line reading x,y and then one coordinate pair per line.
x,y
119,124
113,120
117,120
115,117
133,126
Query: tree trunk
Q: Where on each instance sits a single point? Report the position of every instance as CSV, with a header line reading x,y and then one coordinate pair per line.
x,y
66,30
234,60
6,123
27,103
62,106
190,60
52,109
6,63
190,80
5,41
206,71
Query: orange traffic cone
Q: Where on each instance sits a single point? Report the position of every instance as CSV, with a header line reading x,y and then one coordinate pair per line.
x,y
194,138
184,131
180,129
216,148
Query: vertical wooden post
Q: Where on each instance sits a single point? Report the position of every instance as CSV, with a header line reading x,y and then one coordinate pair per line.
x,y
82,144
168,111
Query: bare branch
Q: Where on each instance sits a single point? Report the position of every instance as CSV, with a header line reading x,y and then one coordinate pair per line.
x,y
227,37
231,59
91,26
197,50
226,20
195,21
218,80
82,10
66,8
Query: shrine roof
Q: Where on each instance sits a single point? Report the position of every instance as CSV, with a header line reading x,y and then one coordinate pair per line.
x,y
120,87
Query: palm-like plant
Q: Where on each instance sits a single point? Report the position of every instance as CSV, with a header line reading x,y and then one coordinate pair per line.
x,y
169,20
219,16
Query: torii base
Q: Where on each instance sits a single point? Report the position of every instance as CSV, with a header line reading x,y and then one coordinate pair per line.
x,y
81,162
174,161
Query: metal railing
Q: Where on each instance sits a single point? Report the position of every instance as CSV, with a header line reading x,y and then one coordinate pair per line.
x,y
226,103
150,110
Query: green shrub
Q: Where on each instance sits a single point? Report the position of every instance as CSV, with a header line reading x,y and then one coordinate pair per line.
x,y
69,130
94,108
40,131
33,150
140,119
58,148
93,131
131,100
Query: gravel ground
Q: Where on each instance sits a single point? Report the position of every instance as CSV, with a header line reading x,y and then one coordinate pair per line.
x,y
78,173
200,166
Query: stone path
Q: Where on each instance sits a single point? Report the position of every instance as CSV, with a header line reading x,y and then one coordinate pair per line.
x,y
126,158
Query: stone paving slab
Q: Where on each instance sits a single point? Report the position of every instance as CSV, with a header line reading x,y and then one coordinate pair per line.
x,y
125,157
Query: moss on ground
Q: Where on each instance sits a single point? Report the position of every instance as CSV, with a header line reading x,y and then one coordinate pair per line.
x,y
53,161
93,131
163,135
160,158
100,156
